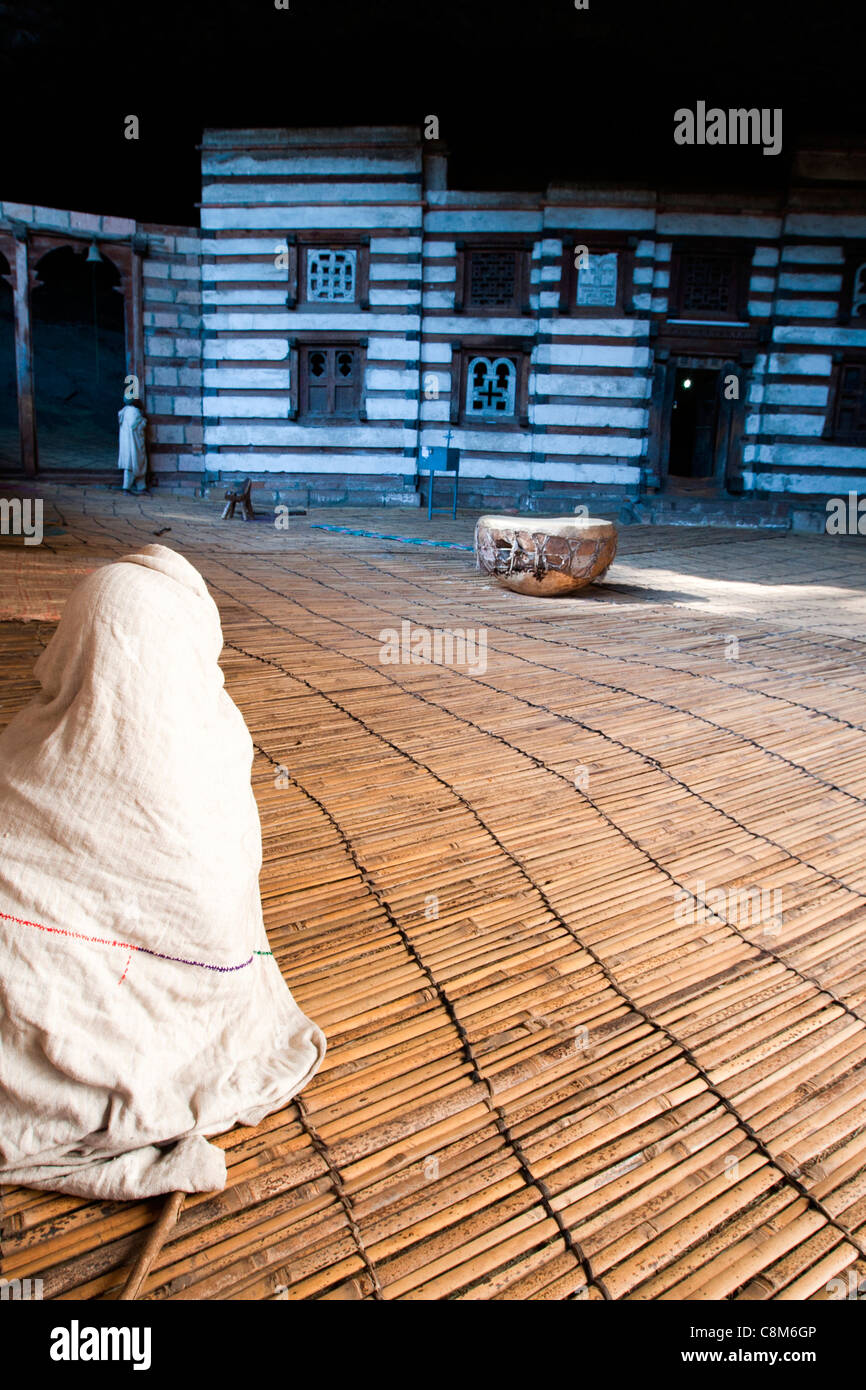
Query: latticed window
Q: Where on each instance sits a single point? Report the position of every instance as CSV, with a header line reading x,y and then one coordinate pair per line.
x,y
851,400
708,285
858,296
597,280
492,279
332,276
491,388
330,379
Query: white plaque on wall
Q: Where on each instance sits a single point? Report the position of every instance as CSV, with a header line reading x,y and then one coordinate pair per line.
x,y
596,282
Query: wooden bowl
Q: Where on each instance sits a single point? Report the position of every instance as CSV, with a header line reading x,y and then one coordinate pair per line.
x,y
544,554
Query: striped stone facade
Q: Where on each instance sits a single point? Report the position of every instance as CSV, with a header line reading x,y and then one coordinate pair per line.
x,y
595,417
171,280
230,321
263,194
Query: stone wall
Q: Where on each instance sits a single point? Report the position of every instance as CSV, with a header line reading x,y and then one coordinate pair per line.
x,y
171,272
225,324
263,193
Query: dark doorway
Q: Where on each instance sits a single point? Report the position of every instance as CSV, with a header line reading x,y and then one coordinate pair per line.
x,y
9,450
694,419
78,358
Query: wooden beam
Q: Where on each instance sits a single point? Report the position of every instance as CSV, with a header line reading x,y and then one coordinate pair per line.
x,y
24,359
652,462
136,346
154,1243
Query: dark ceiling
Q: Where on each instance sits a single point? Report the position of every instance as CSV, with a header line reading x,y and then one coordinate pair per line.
x,y
525,92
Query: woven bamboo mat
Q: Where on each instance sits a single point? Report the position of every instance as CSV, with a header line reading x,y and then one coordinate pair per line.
x,y
569,1057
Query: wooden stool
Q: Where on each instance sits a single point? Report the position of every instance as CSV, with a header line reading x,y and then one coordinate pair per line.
x,y
544,554
239,492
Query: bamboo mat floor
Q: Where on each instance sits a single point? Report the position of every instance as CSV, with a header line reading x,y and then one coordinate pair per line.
x,y
584,922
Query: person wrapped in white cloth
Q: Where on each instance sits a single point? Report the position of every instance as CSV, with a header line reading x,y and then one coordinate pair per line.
x,y
141,1009
132,450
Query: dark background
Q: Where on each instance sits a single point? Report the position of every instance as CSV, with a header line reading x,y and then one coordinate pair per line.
x,y
525,92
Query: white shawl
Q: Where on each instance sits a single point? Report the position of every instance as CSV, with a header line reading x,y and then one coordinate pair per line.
x,y
140,1007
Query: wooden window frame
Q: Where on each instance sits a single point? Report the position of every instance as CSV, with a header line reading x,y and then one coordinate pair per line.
x,y
519,306
323,241
598,244
855,256
462,354
741,253
842,358
304,343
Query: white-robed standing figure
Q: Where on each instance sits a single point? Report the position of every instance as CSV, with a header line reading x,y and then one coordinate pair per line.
x,y
132,454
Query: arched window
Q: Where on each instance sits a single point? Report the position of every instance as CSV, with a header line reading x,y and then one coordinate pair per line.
x,y
491,388
858,294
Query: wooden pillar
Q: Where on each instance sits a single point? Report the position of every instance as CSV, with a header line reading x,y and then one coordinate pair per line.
x,y
655,463
734,463
24,358
724,441
128,262
137,317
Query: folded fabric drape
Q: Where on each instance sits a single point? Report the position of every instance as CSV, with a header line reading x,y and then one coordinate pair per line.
x,y
140,1007
132,450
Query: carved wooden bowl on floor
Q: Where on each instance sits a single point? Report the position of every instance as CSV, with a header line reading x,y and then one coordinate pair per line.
x,y
544,555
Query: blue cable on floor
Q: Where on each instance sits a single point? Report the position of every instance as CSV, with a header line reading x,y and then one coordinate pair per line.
x,y
380,536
